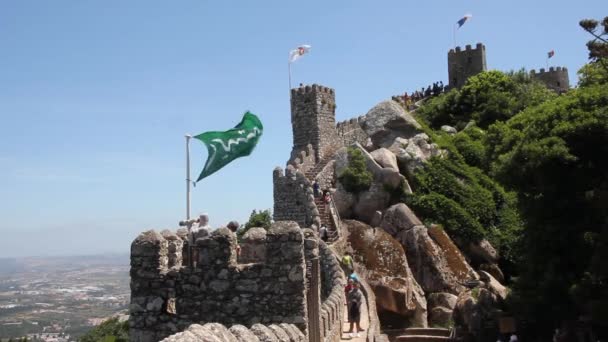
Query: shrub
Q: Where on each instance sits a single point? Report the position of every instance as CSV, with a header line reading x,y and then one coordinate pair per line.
x,y
355,178
111,330
262,219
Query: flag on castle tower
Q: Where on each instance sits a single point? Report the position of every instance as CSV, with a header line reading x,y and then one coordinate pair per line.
x,y
298,52
224,147
464,20
550,53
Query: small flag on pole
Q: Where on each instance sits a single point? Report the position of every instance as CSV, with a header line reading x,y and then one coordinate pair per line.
x,y
224,147
550,53
298,52
464,20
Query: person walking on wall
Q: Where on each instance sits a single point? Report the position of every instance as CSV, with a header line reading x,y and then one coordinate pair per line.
x,y
355,298
315,188
323,233
347,263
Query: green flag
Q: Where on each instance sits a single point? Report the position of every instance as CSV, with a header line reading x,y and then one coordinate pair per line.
x,y
224,147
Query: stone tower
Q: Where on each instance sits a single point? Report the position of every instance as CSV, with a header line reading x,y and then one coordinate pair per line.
x,y
464,64
555,79
313,120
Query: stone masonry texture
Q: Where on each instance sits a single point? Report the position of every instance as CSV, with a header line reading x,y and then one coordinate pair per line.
x,y
166,300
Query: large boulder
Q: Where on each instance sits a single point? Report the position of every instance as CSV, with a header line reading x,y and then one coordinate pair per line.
x,y
385,158
388,120
493,285
382,261
370,201
482,252
398,144
399,217
416,153
494,270
443,299
476,310
340,161
440,307
449,129
344,201
436,267
455,259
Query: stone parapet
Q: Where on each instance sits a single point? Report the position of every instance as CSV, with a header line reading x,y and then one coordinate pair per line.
x,y
556,78
239,333
166,300
294,198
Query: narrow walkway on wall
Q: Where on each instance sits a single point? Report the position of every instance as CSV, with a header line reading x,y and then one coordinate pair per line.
x,y
364,325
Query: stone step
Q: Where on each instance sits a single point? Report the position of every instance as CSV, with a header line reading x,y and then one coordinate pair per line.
x,y
421,338
427,332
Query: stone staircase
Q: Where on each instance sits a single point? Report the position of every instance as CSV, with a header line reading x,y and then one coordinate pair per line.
x,y
424,335
324,213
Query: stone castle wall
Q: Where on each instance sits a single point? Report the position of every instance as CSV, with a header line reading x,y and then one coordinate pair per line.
x,y
555,79
303,160
464,64
333,282
313,120
293,198
238,333
166,300
350,131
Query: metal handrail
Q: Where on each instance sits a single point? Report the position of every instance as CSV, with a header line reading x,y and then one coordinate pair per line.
x,y
335,215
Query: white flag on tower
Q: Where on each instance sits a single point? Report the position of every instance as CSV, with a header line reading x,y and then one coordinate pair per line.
x,y
298,52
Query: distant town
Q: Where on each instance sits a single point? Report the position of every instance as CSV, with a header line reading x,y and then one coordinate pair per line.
x,y
58,299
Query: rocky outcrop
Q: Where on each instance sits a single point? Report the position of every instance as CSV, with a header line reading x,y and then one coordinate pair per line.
x,y
475,310
449,129
364,205
436,262
384,265
494,285
416,153
457,263
388,120
435,268
370,201
385,158
482,252
399,217
344,201
440,306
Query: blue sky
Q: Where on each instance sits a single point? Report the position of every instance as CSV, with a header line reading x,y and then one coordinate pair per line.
x,y
96,96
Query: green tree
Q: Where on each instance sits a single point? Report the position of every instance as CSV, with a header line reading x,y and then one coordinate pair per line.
x,y
592,74
598,46
485,98
111,330
262,219
355,177
554,156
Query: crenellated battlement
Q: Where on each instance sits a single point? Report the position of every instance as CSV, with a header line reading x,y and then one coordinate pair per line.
x,y
478,47
303,160
166,299
551,70
556,78
294,197
306,89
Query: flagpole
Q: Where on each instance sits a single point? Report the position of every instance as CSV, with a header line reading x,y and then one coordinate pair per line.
x,y
454,37
188,181
289,72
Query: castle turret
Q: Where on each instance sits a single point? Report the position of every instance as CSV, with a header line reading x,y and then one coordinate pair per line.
x,y
464,64
555,79
313,120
